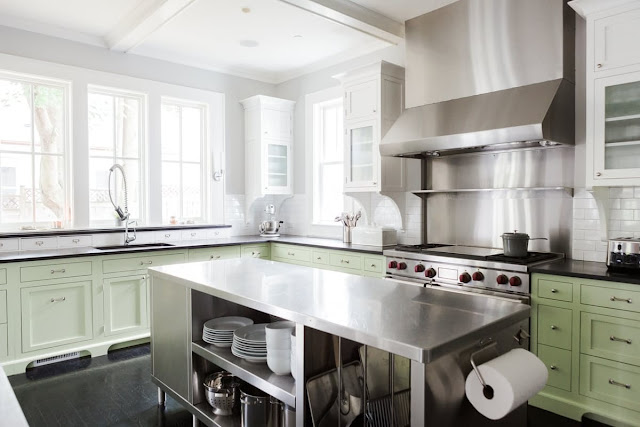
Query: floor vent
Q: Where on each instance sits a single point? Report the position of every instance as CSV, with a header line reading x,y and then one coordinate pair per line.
x,y
55,359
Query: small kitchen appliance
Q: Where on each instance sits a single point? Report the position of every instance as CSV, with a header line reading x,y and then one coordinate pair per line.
x,y
624,254
270,227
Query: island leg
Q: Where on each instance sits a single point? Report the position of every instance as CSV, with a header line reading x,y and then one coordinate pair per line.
x,y
418,394
162,396
196,422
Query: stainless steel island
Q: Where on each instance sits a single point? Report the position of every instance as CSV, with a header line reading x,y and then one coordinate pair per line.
x,y
436,330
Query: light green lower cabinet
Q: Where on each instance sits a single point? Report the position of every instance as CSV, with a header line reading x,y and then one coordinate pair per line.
x,y
126,305
214,253
4,341
262,251
54,315
590,342
3,306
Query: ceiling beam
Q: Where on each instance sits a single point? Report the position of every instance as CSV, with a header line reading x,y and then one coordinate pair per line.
x,y
146,18
353,15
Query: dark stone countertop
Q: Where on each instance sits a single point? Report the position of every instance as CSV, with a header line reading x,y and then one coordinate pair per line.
x,y
586,270
73,231
21,256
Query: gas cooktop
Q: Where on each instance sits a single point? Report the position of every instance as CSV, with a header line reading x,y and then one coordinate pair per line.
x,y
475,252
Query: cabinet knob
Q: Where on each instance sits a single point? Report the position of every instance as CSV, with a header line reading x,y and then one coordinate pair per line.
x,y
554,327
553,367
76,240
598,173
599,65
215,256
554,291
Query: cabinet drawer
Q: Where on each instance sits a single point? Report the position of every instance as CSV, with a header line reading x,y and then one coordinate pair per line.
x,y
611,338
208,254
4,341
74,241
38,243
218,233
9,245
342,260
617,298
167,236
554,326
55,271
140,262
3,306
55,315
609,381
558,362
551,289
321,257
291,253
374,265
193,234
256,251
3,276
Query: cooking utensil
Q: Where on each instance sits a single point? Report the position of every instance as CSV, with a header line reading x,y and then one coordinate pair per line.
x,y
379,411
322,393
222,392
254,407
517,244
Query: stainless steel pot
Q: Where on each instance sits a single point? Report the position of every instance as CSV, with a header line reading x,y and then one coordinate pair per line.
x,y
222,392
254,407
517,244
269,227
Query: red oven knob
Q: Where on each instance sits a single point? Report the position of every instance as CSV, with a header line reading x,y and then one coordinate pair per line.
x,y
515,281
502,279
402,266
465,278
477,276
393,264
419,268
430,273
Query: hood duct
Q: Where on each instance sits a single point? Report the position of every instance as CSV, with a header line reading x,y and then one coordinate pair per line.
x,y
487,75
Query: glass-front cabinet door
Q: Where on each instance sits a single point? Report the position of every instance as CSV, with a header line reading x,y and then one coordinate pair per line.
x,y
617,127
361,156
277,171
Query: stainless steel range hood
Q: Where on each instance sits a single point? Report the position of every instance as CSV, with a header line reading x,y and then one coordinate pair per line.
x,y
487,75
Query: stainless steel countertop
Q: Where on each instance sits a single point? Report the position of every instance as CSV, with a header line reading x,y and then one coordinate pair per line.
x,y
10,409
418,323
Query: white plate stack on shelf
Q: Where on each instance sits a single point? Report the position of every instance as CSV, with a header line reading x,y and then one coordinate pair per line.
x,y
250,343
279,346
219,331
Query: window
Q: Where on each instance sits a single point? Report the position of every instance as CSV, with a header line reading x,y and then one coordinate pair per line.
x,y
328,161
116,135
184,171
34,183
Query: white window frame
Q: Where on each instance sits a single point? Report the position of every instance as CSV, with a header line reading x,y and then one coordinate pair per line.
x,y
142,149
66,87
322,229
204,150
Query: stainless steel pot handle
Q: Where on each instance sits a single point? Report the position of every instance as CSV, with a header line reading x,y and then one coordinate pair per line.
x,y
538,238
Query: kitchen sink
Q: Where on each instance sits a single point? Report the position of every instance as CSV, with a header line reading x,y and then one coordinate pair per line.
x,y
146,245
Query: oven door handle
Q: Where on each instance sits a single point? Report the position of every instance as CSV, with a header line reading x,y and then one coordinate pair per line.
x,y
407,281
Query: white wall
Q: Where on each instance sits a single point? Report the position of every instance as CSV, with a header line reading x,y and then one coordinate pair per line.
x,y
61,51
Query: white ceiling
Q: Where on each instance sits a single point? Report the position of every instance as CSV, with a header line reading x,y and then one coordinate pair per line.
x,y
211,34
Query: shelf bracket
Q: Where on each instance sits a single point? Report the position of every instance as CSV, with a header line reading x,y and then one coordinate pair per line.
x,y
601,196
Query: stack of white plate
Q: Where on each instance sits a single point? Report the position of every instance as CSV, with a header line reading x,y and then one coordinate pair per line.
x,y
250,343
219,331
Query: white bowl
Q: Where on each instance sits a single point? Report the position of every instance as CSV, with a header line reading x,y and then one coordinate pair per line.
x,y
279,361
277,335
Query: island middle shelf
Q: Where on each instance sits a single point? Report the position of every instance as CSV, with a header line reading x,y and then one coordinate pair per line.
x,y
282,387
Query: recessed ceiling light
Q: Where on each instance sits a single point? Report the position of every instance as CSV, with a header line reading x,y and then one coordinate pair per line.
x,y
246,10
249,43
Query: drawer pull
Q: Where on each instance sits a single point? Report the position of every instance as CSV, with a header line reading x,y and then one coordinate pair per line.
x,y
554,327
319,258
146,262
621,299
554,291
59,299
39,243
612,338
76,240
553,367
291,253
167,235
613,382
215,256
255,254
1,245
62,270
193,234
373,266
344,261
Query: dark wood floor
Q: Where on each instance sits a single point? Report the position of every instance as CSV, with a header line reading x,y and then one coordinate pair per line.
x,y
116,390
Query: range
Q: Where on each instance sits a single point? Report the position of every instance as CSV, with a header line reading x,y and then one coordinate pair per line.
x,y
465,268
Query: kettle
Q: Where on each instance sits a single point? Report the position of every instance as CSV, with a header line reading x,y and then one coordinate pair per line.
x,y
269,228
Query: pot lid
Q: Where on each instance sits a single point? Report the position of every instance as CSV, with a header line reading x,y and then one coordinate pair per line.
x,y
515,235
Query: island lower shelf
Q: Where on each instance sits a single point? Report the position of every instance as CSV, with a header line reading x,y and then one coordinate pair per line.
x,y
282,387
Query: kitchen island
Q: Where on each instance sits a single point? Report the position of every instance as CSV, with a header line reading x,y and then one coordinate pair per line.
x,y
436,329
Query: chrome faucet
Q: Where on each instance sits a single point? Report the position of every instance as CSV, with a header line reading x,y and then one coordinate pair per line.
x,y
123,214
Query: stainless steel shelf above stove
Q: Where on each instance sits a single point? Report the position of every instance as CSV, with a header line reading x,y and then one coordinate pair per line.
x,y
425,193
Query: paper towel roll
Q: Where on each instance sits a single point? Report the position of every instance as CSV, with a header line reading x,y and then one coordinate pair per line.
x,y
514,377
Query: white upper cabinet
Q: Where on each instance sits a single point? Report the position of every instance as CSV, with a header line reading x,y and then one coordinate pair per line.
x,y
373,100
612,91
268,146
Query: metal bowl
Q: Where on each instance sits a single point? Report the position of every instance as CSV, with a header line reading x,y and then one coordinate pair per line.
x,y
222,391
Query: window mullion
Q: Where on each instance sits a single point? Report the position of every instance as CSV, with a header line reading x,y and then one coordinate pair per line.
x,y
33,157
180,195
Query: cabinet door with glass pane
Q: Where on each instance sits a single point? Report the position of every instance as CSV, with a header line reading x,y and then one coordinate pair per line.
x,y
617,127
277,168
361,155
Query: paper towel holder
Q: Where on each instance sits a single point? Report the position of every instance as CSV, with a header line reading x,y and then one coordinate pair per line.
x,y
487,390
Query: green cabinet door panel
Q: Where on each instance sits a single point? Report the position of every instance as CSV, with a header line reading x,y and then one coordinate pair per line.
x,y
141,262
125,304
321,258
55,315
215,253
558,362
374,264
55,271
555,289
291,253
346,261
256,251
3,306
610,297
554,326
613,382
3,276
610,337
